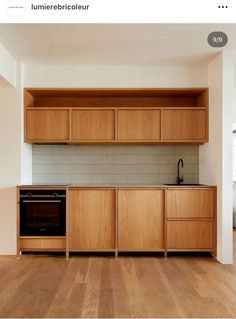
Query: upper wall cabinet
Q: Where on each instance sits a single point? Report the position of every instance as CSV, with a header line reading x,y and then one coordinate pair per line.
x,y
47,125
116,116
184,125
137,125
93,125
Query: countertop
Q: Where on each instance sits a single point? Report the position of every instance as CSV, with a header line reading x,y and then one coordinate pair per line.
x,y
115,186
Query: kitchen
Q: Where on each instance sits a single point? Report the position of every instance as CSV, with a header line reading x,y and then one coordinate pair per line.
x,y
136,122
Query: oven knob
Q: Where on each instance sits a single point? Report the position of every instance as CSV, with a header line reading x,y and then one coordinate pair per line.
x,y
29,195
55,194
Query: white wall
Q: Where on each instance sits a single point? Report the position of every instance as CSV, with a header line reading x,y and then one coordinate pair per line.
x,y
15,156
7,68
234,104
26,149
114,76
215,164
10,140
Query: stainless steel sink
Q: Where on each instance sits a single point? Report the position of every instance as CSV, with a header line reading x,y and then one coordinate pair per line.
x,y
184,184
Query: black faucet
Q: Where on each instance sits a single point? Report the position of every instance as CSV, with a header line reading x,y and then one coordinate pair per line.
x,y
180,179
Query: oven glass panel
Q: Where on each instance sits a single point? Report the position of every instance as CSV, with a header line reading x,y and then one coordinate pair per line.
x,y
42,217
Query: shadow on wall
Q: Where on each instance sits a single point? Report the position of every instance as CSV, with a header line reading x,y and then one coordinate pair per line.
x,y
8,220
234,175
234,204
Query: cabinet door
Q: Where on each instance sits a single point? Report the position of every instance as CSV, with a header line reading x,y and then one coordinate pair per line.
x,y
184,125
190,234
91,219
140,219
93,125
190,203
139,125
47,125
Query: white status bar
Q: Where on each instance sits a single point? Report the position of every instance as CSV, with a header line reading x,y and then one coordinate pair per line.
x,y
118,11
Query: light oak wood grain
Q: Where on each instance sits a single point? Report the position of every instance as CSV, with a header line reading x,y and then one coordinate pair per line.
x,y
104,116
139,124
140,219
118,101
116,92
191,234
184,125
92,219
93,124
47,125
42,244
28,99
193,286
190,203
203,99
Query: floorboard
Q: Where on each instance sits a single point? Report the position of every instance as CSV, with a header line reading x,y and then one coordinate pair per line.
x,y
42,286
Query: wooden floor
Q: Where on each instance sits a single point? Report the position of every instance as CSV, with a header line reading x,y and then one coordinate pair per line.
x,y
179,286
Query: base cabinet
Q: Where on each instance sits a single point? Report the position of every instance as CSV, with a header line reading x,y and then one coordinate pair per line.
x,y
191,218
190,234
140,219
91,219
42,243
190,203
116,219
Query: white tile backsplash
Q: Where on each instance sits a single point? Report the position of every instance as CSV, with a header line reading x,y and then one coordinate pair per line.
x,y
123,164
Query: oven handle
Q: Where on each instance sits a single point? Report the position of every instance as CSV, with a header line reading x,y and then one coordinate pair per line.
x,y
41,201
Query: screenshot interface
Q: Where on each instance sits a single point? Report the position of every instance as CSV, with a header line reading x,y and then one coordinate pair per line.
x,y
117,158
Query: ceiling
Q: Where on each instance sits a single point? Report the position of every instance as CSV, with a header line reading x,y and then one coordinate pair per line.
x,y
113,44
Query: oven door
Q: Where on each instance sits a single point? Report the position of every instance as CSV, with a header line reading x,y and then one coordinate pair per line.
x,y
42,217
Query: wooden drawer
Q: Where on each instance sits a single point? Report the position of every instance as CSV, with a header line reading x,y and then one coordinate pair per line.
x,y
42,243
190,234
190,203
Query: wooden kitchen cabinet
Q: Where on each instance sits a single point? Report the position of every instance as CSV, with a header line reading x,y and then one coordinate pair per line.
x,y
191,218
42,243
139,125
93,125
184,125
91,219
190,234
116,116
47,125
140,219
190,203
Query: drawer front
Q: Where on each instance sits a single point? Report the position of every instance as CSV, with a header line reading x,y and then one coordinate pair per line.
x,y
190,234
190,203
39,243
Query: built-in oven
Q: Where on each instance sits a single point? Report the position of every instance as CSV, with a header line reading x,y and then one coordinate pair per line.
x,y
42,212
